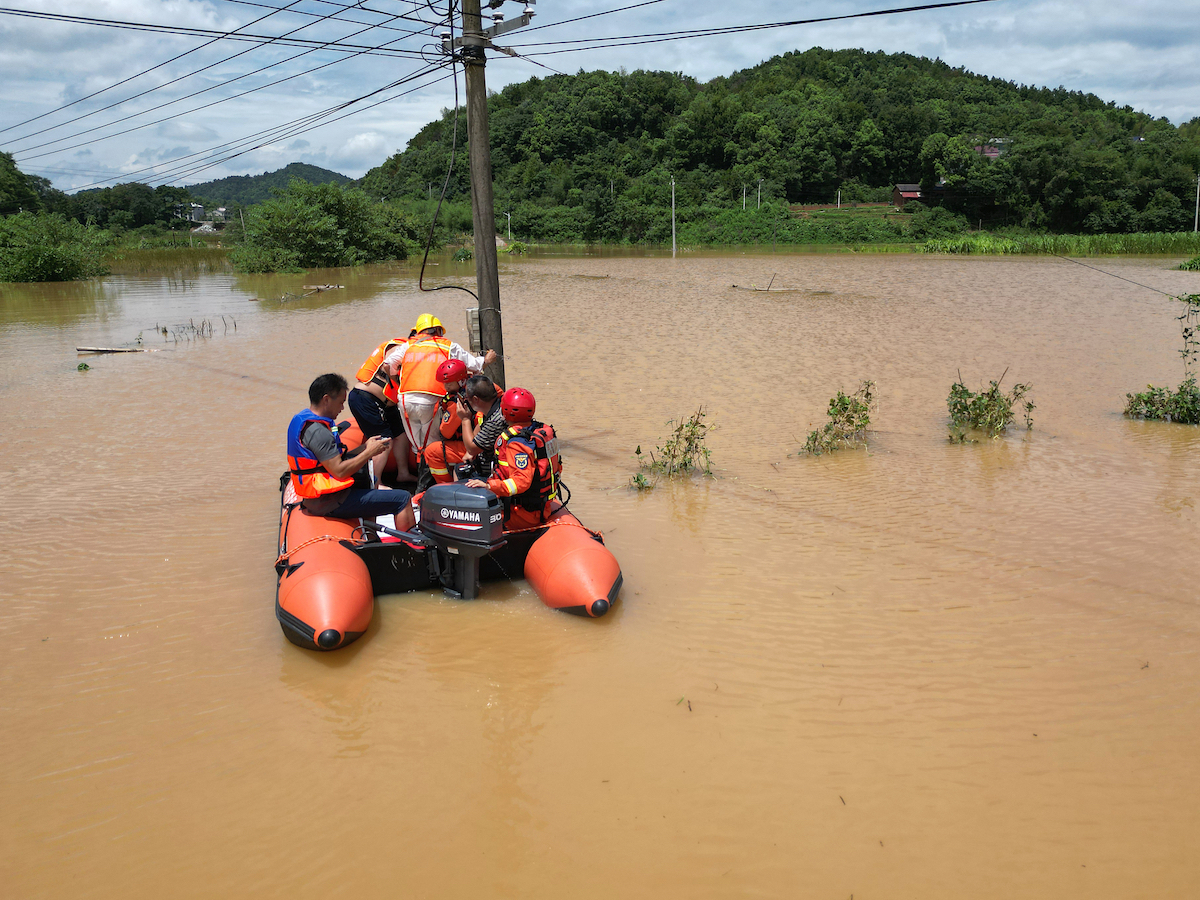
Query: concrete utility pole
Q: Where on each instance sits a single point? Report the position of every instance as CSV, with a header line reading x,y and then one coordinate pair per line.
x,y
1196,221
760,193
508,216
672,217
743,198
487,276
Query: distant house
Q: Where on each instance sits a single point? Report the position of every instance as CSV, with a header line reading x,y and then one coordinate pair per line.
x,y
902,193
218,214
196,213
191,212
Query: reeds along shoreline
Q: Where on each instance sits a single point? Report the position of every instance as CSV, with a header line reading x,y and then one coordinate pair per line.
x,y
176,261
1185,243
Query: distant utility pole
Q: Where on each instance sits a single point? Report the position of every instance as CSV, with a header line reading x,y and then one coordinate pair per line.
x,y
483,211
508,216
760,193
743,198
672,217
1196,221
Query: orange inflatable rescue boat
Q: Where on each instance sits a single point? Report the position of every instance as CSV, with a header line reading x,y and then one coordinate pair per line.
x,y
329,570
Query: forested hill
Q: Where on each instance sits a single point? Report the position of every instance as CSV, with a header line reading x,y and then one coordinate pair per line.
x,y
248,189
592,155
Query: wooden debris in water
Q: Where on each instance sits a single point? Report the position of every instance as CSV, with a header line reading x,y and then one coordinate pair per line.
x,y
115,350
317,288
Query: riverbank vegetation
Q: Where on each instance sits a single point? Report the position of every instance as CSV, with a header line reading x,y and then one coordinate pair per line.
x,y
49,247
591,157
849,417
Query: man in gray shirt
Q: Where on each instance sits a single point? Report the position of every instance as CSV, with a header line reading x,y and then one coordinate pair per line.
x,y
323,471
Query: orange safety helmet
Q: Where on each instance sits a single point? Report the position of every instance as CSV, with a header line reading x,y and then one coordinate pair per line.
x,y
452,370
518,406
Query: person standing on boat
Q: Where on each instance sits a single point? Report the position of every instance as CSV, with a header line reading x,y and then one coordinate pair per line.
x,y
527,465
323,471
374,404
414,365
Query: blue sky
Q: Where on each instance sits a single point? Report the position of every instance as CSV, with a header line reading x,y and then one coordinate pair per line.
x,y
1140,54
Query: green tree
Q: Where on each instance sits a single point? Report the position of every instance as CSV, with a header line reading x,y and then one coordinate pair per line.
x,y
48,247
16,191
322,225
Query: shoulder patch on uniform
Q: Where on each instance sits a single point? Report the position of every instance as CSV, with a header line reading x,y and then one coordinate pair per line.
x,y
522,460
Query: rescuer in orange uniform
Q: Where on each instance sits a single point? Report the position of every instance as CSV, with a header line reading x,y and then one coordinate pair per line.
x,y
456,423
415,367
526,476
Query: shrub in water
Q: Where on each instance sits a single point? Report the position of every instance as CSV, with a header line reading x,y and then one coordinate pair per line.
x,y
849,417
322,225
1192,265
48,247
989,411
1182,405
683,453
1163,403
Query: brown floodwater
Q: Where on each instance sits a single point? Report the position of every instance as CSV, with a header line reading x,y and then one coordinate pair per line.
x,y
922,670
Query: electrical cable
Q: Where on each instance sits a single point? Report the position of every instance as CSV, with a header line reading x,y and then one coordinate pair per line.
x,y
607,12
344,6
25,155
276,132
308,128
449,172
665,36
201,32
143,72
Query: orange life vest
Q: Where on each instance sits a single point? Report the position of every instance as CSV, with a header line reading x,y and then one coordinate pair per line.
x,y
310,479
538,444
371,372
418,369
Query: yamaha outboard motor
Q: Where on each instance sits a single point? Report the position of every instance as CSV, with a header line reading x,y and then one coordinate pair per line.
x,y
466,524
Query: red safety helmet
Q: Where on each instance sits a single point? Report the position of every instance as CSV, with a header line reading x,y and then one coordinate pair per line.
x,y
452,370
518,405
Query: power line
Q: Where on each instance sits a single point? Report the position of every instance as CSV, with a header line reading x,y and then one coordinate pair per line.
x,y
143,72
205,32
347,7
277,132
607,12
310,127
25,150
662,37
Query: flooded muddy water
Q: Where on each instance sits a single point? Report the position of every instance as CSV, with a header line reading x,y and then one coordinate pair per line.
x,y
923,670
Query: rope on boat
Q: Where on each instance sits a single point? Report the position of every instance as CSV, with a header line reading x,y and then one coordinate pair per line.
x,y
283,557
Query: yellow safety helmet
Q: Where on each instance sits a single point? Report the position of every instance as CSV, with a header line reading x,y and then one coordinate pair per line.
x,y
425,321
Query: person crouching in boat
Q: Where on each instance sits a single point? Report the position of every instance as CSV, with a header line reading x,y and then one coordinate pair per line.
x,y
483,397
415,366
456,423
527,468
374,404
323,472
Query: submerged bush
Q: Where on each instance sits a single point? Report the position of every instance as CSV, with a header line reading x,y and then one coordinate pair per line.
x,y
1192,265
683,453
48,247
989,411
322,226
849,418
1162,403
